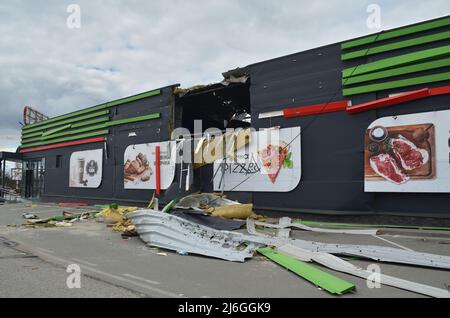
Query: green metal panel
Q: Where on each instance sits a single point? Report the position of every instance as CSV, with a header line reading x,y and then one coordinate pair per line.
x,y
397,61
134,98
319,278
397,84
91,122
76,125
134,119
102,126
397,71
54,141
48,135
397,33
95,108
54,131
398,45
76,131
39,133
68,121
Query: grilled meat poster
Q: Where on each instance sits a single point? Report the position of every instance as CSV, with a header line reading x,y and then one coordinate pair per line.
x,y
408,153
86,169
139,165
271,162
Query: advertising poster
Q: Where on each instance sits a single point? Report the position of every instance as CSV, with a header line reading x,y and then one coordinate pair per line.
x,y
271,162
86,169
139,165
408,153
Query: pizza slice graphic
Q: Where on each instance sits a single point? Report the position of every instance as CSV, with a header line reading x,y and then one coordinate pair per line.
x,y
272,158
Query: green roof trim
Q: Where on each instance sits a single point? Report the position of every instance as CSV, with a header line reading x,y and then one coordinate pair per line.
x,y
54,141
397,84
398,45
397,61
96,108
381,36
328,282
397,71
67,121
91,122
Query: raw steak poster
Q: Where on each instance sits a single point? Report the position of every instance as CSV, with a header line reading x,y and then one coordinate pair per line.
x,y
271,162
408,153
139,165
86,169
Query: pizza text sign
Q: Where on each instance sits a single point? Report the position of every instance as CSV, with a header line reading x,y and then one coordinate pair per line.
x,y
271,162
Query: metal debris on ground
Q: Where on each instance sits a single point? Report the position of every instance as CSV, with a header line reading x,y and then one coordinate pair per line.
x,y
29,216
377,253
59,221
173,233
218,205
286,222
317,277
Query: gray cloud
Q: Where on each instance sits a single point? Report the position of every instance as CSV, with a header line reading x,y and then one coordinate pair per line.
x,y
126,47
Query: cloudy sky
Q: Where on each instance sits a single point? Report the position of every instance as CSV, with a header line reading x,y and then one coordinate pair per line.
x,y
127,47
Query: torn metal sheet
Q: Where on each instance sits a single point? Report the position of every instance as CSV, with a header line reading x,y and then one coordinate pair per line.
x,y
340,265
210,221
377,253
287,223
319,278
171,232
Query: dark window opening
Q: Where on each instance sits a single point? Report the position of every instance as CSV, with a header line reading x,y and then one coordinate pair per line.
x,y
217,106
58,161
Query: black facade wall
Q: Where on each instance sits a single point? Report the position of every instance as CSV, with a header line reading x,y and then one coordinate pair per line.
x,y
333,143
56,181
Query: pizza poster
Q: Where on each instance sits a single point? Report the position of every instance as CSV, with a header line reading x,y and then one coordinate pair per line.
x,y
408,153
271,162
86,169
139,168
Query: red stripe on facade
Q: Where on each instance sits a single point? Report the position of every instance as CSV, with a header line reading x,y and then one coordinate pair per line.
x,y
65,144
389,101
315,109
440,91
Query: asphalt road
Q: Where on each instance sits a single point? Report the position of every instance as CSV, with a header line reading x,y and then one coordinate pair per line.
x,y
33,263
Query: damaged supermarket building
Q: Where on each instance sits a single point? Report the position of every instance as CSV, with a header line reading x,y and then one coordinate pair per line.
x,y
363,129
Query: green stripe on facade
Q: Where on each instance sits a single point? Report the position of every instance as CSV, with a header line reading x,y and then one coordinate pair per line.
x,y
397,71
96,108
91,122
48,136
68,121
397,61
76,125
54,141
396,33
54,131
397,84
105,125
134,119
397,45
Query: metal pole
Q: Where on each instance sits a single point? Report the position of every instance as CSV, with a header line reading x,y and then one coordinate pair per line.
x,y
158,169
3,173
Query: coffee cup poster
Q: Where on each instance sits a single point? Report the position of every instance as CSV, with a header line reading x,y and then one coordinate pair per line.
x,y
271,162
408,153
140,165
86,168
